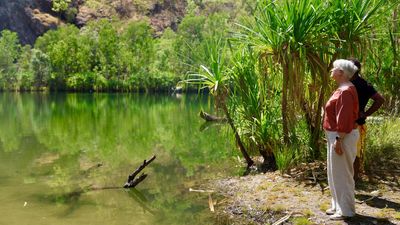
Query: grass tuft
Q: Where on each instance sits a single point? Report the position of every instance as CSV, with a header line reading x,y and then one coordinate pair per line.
x,y
301,221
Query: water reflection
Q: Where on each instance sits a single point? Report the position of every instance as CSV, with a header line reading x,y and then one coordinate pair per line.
x,y
57,151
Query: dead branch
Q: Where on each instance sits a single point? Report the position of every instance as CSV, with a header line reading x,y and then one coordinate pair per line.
x,y
283,219
132,182
201,191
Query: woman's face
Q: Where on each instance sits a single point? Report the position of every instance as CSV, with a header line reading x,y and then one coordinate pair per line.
x,y
337,74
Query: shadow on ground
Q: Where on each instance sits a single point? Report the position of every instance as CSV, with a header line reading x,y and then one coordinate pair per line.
x,y
367,220
378,202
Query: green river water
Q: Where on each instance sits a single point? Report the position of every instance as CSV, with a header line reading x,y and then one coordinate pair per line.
x,y
56,148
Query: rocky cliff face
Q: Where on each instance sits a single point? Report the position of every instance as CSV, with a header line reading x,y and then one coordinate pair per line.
x,y
161,13
31,18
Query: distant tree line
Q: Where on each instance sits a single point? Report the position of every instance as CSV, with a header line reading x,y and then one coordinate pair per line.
x,y
108,55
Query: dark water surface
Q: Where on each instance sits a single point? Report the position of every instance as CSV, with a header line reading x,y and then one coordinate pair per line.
x,y
54,149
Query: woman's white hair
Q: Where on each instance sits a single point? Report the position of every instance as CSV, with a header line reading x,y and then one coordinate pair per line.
x,y
347,66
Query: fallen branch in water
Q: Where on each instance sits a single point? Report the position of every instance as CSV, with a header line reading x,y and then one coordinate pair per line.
x,y
209,117
132,182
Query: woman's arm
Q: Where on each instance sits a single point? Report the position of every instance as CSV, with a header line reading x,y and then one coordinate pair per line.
x,y
378,101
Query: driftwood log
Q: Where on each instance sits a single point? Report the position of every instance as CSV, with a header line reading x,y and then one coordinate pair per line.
x,y
209,117
132,180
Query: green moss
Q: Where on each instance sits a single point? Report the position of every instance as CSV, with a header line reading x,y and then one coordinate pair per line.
x,y
324,206
278,207
301,221
308,213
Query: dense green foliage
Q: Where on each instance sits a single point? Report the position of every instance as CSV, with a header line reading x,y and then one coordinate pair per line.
x,y
382,152
280,81
303,38
265,62
60,5
108,55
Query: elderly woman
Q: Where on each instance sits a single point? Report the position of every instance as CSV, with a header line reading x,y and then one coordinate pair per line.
x,y
341,113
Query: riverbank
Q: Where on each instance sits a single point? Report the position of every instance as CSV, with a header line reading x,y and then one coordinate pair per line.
x,y
300,197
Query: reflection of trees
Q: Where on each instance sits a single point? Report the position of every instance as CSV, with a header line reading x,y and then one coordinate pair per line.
x,y
166,192
109,126
118,130
13,128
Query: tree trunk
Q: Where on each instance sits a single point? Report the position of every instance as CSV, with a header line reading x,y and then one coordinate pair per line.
x,y
315,139
239,142
269,161
395,36
284,107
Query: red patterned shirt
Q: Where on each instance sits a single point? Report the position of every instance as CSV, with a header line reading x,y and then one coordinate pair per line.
x,y
341,110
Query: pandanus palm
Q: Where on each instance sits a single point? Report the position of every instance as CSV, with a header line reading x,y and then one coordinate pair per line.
x,y
253,106
284,32
347,30
304,37
215,77
352,25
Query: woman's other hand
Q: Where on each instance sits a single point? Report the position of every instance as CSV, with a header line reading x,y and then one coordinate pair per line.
x,y
338,147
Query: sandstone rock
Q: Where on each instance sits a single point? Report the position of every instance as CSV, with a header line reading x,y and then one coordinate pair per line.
x,y
41,22
32,18
25,17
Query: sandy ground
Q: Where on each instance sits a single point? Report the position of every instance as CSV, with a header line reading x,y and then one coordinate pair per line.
x,y
299,198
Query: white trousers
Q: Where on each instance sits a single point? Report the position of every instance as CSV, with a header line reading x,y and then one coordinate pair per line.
x,y
340,172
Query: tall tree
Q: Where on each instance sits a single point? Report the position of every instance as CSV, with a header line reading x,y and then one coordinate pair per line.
x,y
9,53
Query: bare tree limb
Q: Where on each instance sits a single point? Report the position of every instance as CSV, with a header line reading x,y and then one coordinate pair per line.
x,y
132,182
